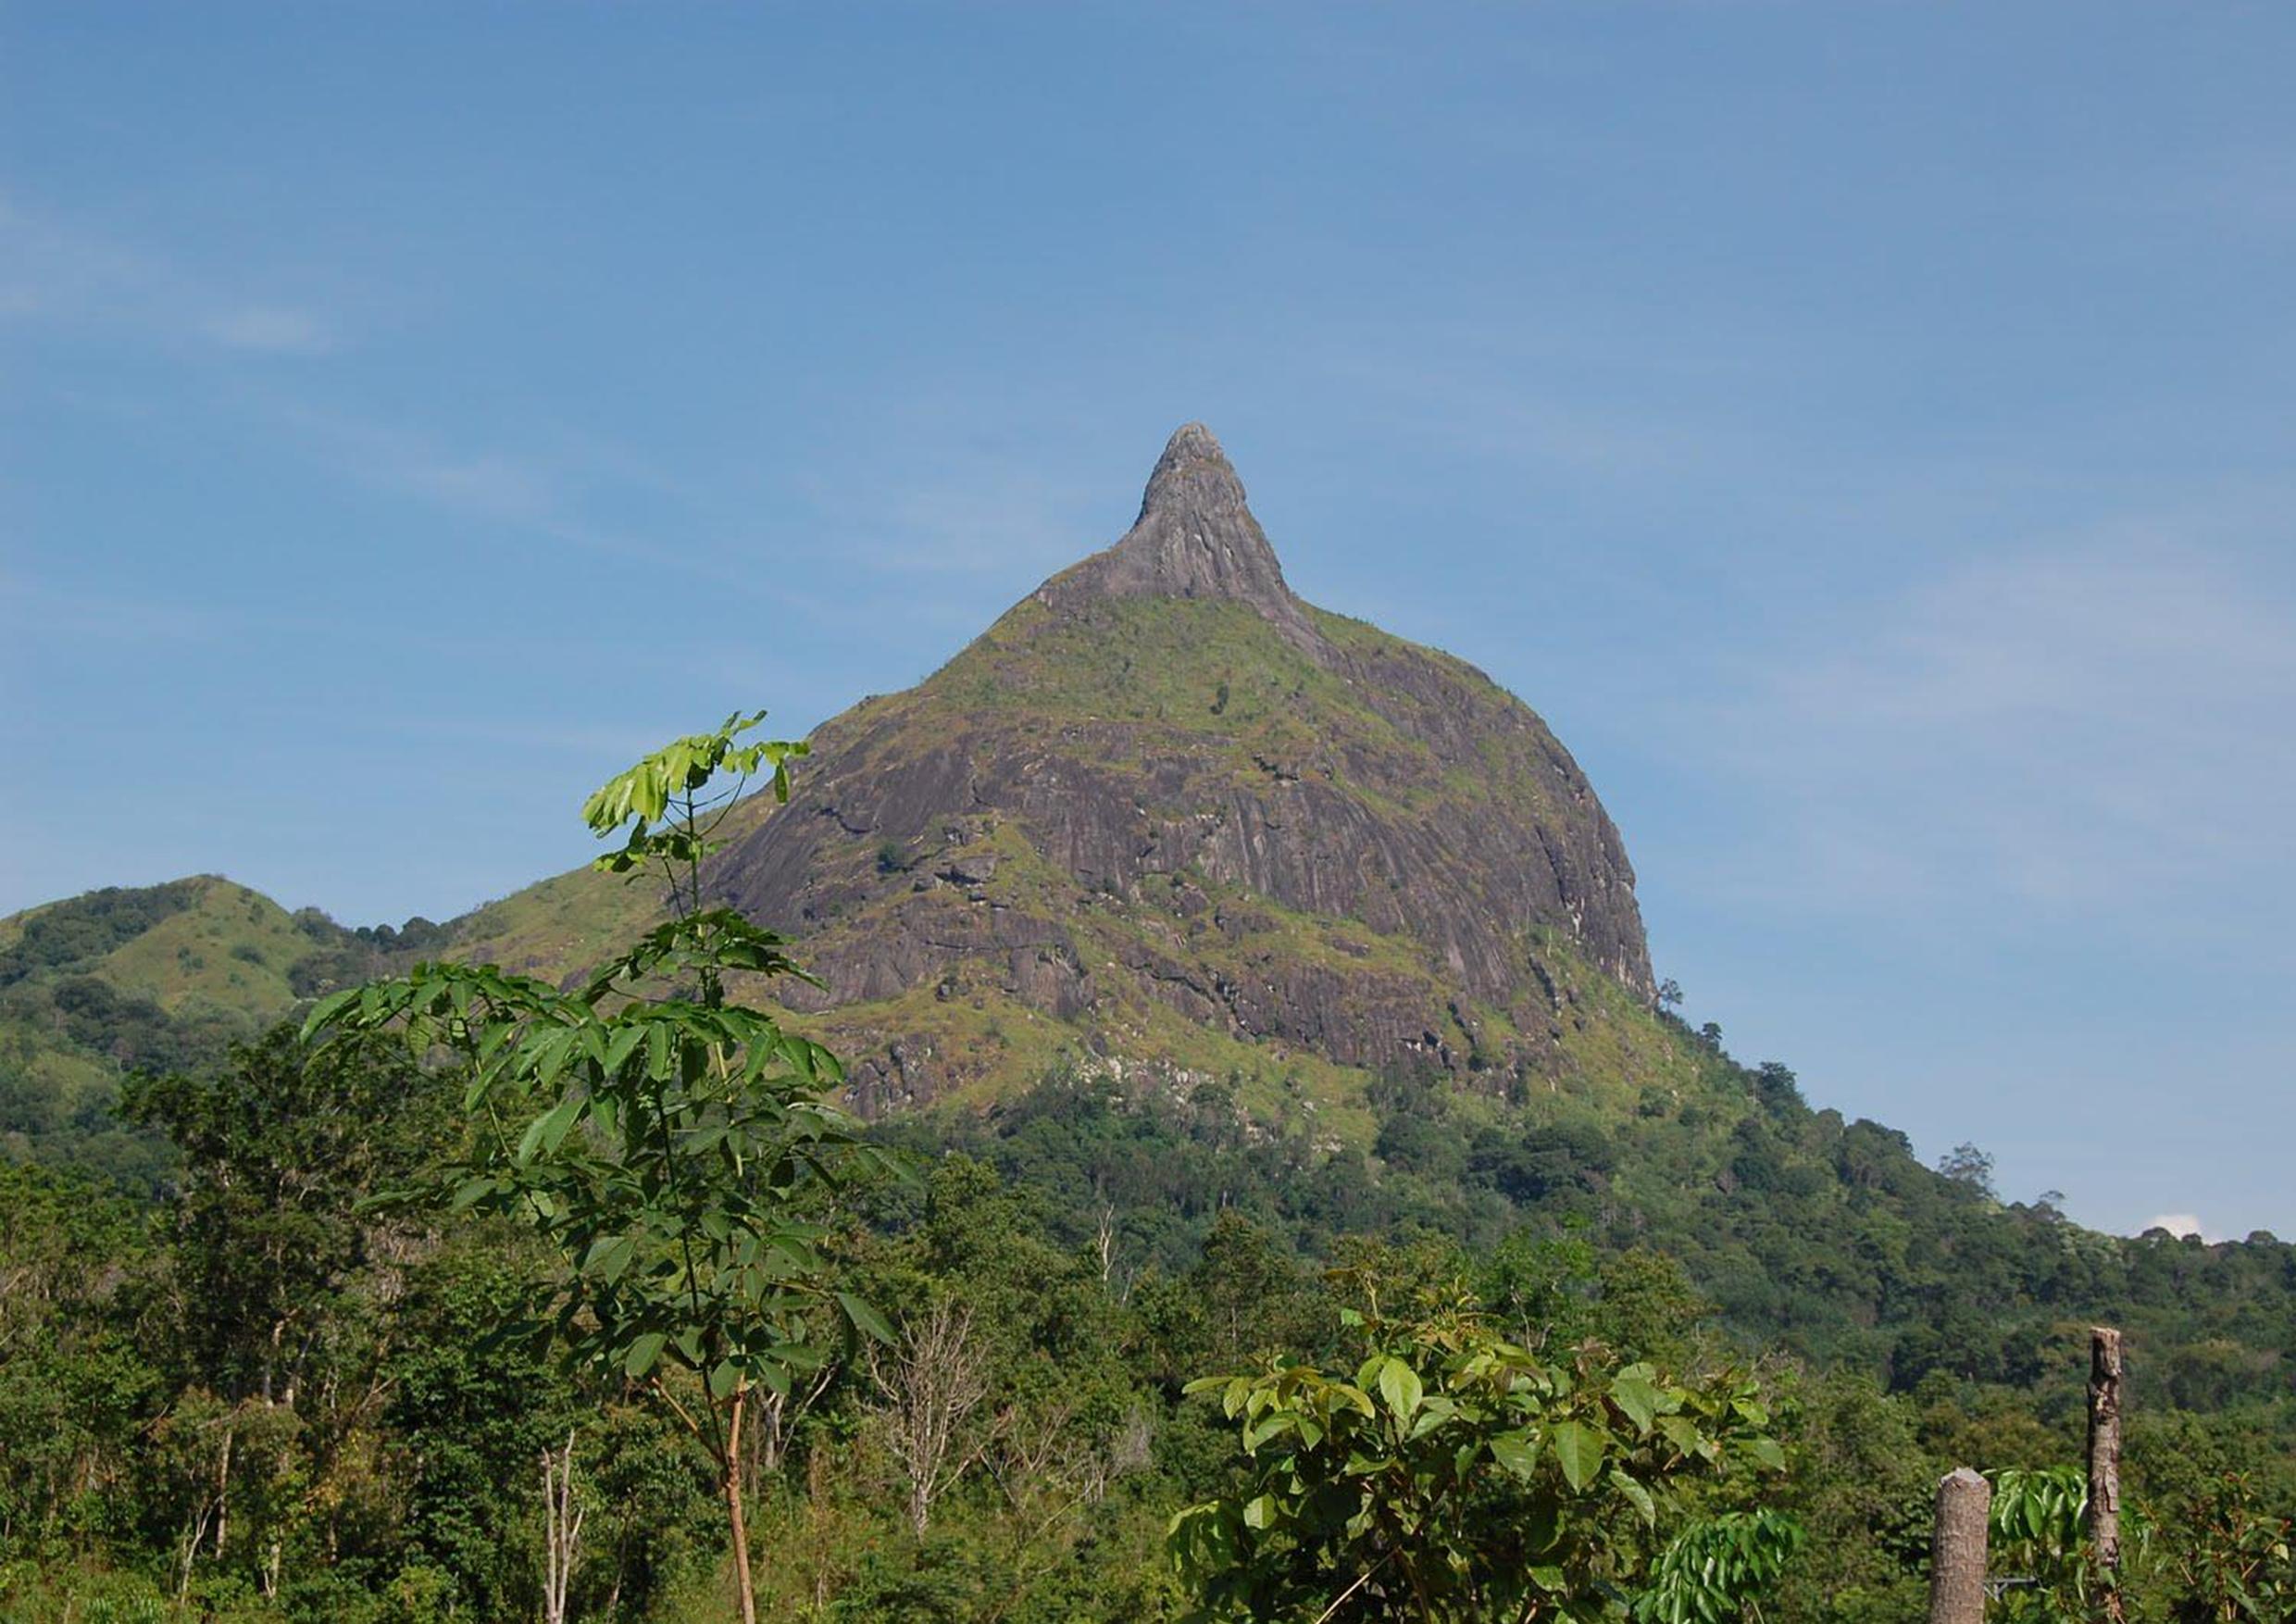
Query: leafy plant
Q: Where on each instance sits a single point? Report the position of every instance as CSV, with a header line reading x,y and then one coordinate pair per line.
x,y
667,1142
2238,1565
2040,1553
1714,1571
1453,1476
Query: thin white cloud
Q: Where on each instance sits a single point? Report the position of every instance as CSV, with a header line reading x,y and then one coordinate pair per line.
x,y
58,276
2178,1224
2244,188
32,610
478,483
525,493
2063,727
958,517
271,329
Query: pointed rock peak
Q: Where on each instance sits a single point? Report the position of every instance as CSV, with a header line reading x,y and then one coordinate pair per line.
x,y
1195,538
1193,476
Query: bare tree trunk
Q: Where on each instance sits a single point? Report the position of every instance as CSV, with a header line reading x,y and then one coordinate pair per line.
x,y
734,1515
1957,1549
195,1531
773,1423
562,1530
223,1489
2104,1466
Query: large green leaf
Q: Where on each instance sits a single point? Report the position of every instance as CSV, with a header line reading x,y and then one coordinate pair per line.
x,y
1637,1397
1579,1451
1399,1384
1682,1432
643,1353
1636,1496
1517,1451
547,1131
866,1319
609,1257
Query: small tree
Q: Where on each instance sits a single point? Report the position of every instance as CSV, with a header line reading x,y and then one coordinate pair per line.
x,y
562,1530
1455,1477
283,1271
1966,1164
670,1142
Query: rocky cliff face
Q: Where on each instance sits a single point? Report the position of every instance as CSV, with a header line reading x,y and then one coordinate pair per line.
x,y
1162,796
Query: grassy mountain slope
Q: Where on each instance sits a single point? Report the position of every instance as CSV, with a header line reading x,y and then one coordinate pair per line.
x,y
153,979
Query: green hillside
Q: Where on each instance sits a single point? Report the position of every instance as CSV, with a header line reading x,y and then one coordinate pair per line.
x,y
152,979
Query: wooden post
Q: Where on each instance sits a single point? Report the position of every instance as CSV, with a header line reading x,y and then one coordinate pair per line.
x,y
2105,1464
1957,1549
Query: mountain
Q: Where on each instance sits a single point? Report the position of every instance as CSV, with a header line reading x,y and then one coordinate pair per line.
x,y
1163,801
1212,898
1172,894
1162,812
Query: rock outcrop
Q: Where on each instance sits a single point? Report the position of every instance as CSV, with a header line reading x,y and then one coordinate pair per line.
x,y
1195,538
1163,786
1165,811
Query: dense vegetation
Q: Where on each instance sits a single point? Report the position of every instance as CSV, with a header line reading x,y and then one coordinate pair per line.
x,y
275,1401
542,1314
1824,1238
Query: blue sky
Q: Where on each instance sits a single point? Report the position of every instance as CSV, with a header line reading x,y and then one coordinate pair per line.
x,y
1864,431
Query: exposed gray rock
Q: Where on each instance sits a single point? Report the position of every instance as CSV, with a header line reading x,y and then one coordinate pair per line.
x,y
976,869
1359,877
1195,538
